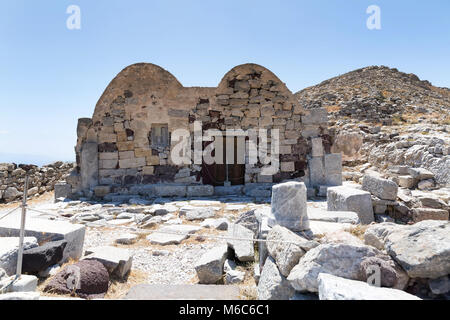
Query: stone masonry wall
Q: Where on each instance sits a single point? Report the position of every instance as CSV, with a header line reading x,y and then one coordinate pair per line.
x,y
41,179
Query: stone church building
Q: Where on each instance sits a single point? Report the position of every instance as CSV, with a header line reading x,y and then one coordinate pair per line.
x,y
125,147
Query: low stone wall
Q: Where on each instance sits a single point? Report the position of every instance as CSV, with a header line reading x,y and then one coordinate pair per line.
x,y
41,179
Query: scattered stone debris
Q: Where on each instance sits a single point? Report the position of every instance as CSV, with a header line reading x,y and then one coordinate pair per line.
x,y
210,266
243,249
350,199
338,259
38,259
118,261
272,284
337,288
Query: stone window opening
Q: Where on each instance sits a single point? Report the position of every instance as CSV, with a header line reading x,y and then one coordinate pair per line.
x,y
130,134
159,135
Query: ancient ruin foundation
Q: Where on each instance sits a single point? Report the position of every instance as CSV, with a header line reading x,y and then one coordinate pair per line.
x,y
126,146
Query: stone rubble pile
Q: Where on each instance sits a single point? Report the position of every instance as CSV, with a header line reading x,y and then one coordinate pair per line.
x,y
397,197
321,265
220,264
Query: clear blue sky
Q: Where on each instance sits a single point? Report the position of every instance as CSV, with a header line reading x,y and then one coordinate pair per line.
x,y
50,75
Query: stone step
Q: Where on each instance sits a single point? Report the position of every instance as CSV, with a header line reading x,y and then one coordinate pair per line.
x,y
183,292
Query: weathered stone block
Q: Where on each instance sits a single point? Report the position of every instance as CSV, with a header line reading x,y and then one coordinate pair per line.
x,y
126,155
178,113
148,170
243,249
227,190
337,288
338,259
317,147
425,184
152,160
422,249
285,149
333,179
108,155
142,152
132,163
195,213
420,173
350,199
38,259
379,187
209,267
260,178
292,134
309,131
101,191
406,181
164,238
117,261
125,146
108,164
289,205
272,284
200,191
106,137
317,214
9,247
286,254
48,230
170,190
265,121
62,190
26,283
122,136
316,171
333,163
89,165
420,214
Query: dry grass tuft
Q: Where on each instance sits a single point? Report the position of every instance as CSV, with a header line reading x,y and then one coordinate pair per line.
x,y
333,108
249,293
118,288
45,197
358,230
248,287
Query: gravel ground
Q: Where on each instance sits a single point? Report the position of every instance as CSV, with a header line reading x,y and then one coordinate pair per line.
x,y
170,264
173,264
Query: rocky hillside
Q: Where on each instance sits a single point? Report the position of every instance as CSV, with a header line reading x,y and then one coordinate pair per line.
x,y
383,117
380,95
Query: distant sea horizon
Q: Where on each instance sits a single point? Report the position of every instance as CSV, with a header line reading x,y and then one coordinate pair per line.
x,y
38,160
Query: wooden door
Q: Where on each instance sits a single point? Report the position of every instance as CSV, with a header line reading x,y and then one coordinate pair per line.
x,y
216,174
213,174
236,170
